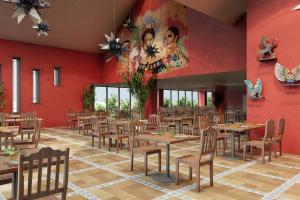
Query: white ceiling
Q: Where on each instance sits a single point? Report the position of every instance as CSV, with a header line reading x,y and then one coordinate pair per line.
x,y
76,24
81,24
228,11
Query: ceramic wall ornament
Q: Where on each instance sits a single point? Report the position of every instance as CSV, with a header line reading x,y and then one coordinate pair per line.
x,y
113,45
266,47
42,28
151,50
129,25
297,7
288,77
254,92
28,8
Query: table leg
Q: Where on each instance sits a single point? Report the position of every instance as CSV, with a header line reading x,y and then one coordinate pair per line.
x,y
14,185
168,159
233,145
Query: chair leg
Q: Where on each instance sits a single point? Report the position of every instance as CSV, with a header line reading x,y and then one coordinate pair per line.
x,y
239,142
103,139
275,148
131,161
263,155
280,147
224,146
93,140
190,173
146,164
211,173
251,151
244,153
99,144
117,144
159,161
198,178
270,152
109,144
177,172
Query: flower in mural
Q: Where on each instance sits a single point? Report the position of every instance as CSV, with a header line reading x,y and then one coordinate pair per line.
x,y
42,28
113,45
28,8
151,50
129,25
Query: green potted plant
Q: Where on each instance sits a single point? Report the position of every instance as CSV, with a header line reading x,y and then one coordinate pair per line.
x,y
89,97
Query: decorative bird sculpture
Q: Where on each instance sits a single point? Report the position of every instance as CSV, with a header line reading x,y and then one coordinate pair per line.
x,y
285,75
254,91
266,49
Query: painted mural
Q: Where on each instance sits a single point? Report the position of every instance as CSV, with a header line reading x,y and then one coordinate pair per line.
x,y
155,39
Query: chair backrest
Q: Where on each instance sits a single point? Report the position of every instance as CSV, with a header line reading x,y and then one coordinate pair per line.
x,y
136,116
269,130
37,133
153,120
280,128
112,125
229,117
204,122
135,128
208,143
3,117
46,157
28,119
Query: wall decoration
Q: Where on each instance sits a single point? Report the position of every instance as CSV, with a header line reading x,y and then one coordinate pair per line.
x,y
254,92
42,28
266,47
163,26
129,25
28,8
288,77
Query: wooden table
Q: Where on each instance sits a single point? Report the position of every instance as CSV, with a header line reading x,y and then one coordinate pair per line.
x,y
237,128
179,120
168,140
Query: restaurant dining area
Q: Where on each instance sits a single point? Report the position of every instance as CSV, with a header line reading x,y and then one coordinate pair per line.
x,y
149,99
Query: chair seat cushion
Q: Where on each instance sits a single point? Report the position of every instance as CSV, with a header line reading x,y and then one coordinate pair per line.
x,y
192,159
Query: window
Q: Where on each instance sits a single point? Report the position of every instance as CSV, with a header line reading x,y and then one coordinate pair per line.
x,y
124,99
181,99
100,98
113,99
15,85
188,99
57,77
174,98
195,98
209,99
167,98
35,86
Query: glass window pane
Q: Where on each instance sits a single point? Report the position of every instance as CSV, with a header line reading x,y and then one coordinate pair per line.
x,y
134,106
112,101
100,98
188,101
124,99
209,99
57,76
35,86
195,98
15,85
167,99
181,99
174,98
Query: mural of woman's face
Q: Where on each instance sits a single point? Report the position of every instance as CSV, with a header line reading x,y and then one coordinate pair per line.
x,y
148,40
169,39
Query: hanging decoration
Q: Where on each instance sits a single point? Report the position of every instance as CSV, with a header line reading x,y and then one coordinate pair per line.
x,y
42,28
113,45
28,8
297,7
254,92
151,50
288,77
129,25
266,49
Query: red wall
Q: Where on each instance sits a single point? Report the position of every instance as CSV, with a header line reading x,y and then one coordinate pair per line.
x,y
212,46
78,70
276,20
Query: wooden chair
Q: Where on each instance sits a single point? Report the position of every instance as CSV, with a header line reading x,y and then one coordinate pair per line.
x,y
7,178
153,121
229,117
192,129
45,157
84,123
115,133
27,124
142,148
71,119
100,132
205,156
33,144
3,117
264,144
278,138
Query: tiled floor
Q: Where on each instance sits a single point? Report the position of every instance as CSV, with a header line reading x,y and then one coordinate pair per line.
x,y
99,174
